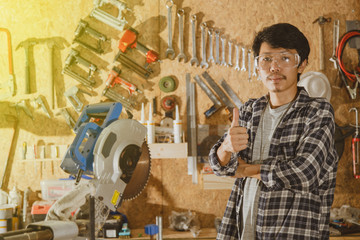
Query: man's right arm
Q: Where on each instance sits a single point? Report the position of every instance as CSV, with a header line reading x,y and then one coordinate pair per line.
x,y
233,141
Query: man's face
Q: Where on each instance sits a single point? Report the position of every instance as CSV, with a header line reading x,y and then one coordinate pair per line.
x,y
278,69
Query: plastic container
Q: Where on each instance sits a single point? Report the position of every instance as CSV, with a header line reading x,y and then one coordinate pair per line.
x,y
55,189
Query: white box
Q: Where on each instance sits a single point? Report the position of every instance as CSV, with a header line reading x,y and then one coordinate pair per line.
x,y
54,189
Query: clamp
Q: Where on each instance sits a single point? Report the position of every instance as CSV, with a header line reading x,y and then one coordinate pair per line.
x,y
83,28
74,57
70,95
115,22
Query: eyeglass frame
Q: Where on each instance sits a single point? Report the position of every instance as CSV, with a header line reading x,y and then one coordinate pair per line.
x,y
297,56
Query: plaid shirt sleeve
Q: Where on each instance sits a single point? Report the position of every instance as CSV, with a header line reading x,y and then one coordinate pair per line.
x,y
303,173
227,170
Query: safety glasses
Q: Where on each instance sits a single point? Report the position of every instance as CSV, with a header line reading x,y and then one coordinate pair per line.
x,y
283,60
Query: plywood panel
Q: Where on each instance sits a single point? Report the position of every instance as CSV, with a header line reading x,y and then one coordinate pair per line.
x,y
169,188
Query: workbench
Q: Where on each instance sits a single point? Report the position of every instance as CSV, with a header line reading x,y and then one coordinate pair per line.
x,y
208,233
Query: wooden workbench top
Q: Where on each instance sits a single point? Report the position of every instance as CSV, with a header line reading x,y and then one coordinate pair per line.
x,y
207,233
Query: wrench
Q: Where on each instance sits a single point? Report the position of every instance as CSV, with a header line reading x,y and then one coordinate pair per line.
x,y
249,64
223,46
230,53
181,55
203,35
169,51
237,61
243,66
193,29
211,57
254,73
217,51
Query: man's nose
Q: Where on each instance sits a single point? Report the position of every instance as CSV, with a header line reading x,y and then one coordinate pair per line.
x,y
274,66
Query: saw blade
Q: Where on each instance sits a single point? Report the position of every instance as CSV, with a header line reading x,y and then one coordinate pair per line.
x,y
140,175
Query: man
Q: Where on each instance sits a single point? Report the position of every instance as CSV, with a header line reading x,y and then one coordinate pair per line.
x,y
280,148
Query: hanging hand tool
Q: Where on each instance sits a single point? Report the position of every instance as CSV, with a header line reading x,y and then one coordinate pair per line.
x,y
243,65
39,102
336,29
223,48
249,65
217,103
114,78
321,21
181,55
22,105
169,51
116,22
211,51
191,129
9,87
230,54
194,59
217,46
223,97
230,92
355,146
71,96
74,57
237,56
69,120
7,167
111,94
130,40
27,45
82,29
203,63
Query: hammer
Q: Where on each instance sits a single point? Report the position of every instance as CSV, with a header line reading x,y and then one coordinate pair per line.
x,y
27,44
321,20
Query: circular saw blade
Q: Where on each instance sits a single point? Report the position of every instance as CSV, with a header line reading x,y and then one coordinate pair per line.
x,y
140,175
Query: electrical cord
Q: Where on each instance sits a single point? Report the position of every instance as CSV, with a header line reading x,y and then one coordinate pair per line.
x,y
339,52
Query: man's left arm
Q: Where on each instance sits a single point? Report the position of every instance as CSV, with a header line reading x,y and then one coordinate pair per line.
x,y
247,170
314,158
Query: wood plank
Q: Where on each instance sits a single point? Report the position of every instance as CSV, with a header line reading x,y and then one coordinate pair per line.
x,y
168,150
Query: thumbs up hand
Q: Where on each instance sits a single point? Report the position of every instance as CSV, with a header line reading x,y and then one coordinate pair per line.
x,y
237,137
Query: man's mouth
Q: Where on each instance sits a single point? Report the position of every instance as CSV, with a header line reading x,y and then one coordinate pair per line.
x,y
275,78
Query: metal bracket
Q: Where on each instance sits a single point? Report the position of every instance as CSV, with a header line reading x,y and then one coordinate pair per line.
x,y
83,28
74,57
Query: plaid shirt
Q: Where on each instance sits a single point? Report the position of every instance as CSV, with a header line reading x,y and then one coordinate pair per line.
x,y
298,178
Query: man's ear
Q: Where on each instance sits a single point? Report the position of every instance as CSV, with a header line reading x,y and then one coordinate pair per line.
x,y
302,66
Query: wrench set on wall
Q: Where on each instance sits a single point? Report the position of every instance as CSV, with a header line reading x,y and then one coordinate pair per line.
x,y
209,34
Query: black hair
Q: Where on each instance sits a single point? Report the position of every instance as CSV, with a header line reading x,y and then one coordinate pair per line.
x,y
282,35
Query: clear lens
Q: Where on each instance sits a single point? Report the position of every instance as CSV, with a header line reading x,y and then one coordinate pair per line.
x,y
283,60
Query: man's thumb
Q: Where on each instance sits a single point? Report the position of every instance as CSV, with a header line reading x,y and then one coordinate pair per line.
x,y
235,117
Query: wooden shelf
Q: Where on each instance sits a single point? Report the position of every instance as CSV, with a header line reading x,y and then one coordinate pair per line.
x,y
39,160
168,150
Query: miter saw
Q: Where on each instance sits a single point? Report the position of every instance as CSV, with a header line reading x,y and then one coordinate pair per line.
x,y
114,152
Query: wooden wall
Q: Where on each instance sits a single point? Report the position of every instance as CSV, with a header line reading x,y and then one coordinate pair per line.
x,y
169,188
